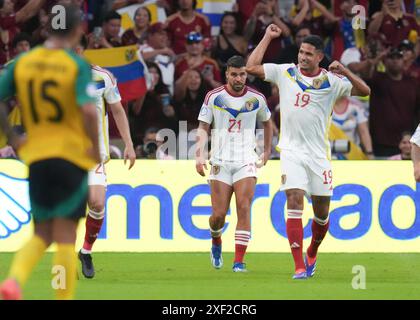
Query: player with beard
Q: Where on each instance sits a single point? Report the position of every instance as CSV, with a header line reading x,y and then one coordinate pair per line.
x,y
233,111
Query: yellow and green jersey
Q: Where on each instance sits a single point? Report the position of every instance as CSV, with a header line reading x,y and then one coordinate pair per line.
x,y
51,86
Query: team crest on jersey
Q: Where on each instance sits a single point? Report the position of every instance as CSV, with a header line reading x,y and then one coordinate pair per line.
x,y
249,106
215,170
317,83
130,54
283,179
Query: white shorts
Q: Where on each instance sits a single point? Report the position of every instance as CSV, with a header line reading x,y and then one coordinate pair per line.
x,y
232,173
97,176
300,171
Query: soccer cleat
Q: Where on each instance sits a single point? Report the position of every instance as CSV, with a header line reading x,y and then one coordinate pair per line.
x,y
216,256
310,269
87,265
300,276
10,290
239,267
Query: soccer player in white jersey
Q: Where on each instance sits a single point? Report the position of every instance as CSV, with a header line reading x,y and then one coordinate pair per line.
x,y
415,153
233,111
107,96
307,97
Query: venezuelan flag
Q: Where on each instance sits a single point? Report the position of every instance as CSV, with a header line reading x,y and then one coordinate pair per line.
x,y
125,64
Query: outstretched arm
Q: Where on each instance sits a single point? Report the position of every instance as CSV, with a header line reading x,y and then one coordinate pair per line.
x,y
360,88
253,66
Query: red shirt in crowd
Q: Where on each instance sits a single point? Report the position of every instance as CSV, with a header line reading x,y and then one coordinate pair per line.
x,y
182,66
398,30
394,108
178,29
246,7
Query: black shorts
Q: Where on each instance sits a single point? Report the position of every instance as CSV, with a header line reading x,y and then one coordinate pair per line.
x,y
57,189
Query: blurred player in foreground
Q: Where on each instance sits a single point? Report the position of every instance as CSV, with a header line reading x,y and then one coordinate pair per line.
x,y
56,96
307,97
106,95
233,110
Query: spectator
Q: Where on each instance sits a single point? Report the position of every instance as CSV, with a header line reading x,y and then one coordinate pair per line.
x,y
190,91
153,110
157,50
349,116
195,59
411,68
265,13
150,148
284,9
21,43
394,105
363,61
9,22
41,32
405,147
138,34
345,36
320,24
108,36
290,53
394,23
246,9
230,42
184,21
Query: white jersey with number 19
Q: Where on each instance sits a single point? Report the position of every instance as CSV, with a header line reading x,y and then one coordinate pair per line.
x,y
306,105
234,121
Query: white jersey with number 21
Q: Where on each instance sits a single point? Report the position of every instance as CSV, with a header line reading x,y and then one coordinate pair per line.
x,y
234,119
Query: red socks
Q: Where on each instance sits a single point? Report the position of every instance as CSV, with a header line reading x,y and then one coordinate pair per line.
x,y
241,244
294,230
93,226
319,230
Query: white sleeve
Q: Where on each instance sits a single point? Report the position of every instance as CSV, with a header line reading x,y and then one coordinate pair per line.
x,y
263,113
111,93
206,111
416,137
350,55
343,86
271,72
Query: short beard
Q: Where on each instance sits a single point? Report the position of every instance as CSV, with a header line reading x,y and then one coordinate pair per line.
x,y
234,88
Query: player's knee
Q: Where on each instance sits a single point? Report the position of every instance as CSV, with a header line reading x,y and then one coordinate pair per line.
x,y
243,207
96,206
295,200
219,217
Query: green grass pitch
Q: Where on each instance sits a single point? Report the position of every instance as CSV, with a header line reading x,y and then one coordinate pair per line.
x,y
178,276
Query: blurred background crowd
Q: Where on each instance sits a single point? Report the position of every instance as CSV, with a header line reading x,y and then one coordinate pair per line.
x,y
187,50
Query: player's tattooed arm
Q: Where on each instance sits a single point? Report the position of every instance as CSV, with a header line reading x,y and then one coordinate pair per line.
x,y
360,88
253,65
201,145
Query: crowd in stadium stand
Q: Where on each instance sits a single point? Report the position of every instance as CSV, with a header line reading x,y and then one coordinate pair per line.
x,y
186,58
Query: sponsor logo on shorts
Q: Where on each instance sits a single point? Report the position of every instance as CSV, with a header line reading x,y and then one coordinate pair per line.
x,y
283,179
